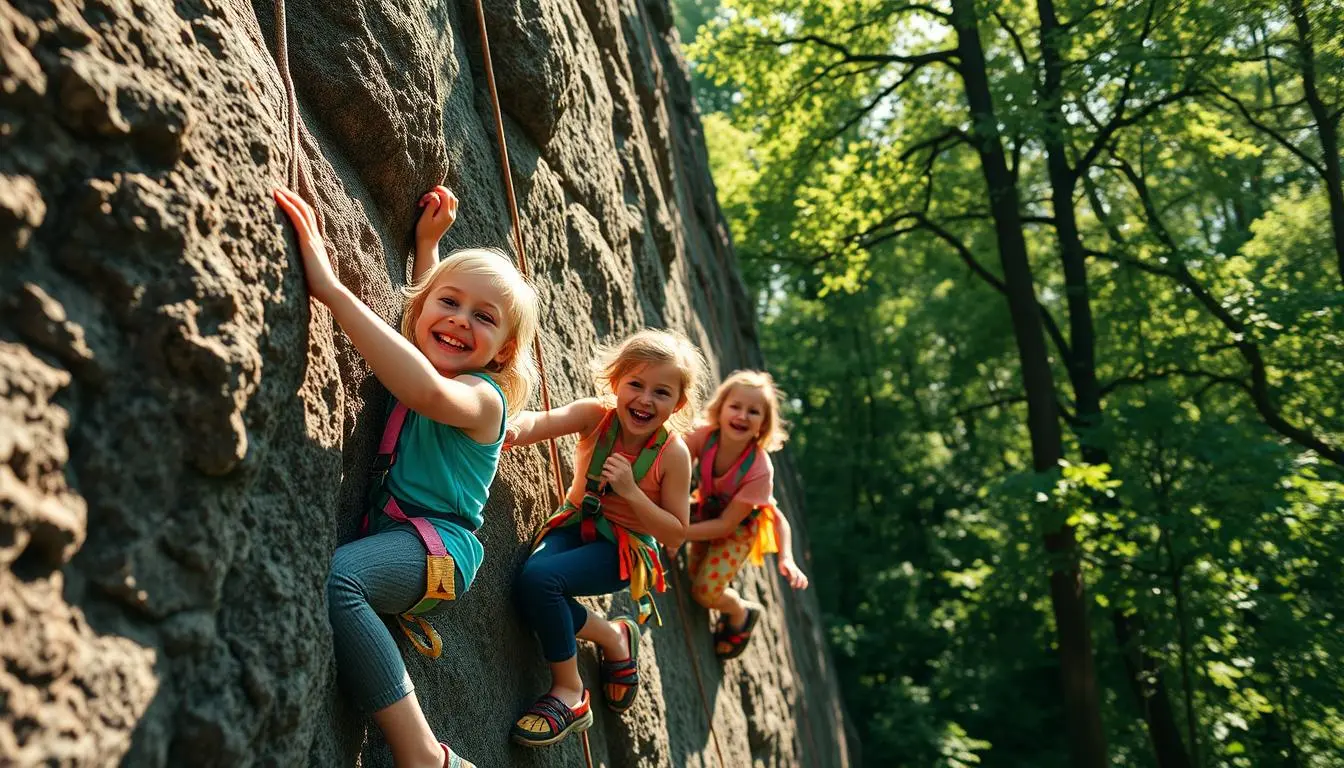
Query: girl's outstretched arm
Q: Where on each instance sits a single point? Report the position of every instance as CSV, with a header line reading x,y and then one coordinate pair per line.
x,y
722,526
469,403
788,567
667,523
578,418
439,212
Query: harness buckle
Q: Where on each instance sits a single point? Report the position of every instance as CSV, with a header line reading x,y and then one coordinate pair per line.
x,y
382,462
592,497
590,505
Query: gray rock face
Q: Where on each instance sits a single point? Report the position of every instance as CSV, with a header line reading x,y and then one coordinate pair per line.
x,y
184,438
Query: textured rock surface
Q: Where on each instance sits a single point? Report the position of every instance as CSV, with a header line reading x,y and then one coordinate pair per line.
x,y
183,437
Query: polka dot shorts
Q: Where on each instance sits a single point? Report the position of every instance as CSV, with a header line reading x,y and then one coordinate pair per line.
x,y
713,564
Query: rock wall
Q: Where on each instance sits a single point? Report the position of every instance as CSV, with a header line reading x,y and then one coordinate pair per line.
x,y
184,437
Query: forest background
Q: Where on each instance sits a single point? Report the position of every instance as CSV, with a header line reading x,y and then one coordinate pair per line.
x,y
1056,288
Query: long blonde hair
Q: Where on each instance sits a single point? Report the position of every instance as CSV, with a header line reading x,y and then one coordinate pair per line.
x,y
655,347
774,430
516,376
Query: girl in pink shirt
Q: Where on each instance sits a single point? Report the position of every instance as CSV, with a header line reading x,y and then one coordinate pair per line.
x,y
734,516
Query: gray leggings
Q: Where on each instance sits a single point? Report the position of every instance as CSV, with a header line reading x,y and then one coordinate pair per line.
x,y
383,573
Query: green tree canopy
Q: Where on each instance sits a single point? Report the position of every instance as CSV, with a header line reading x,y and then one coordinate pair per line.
x,y
965,221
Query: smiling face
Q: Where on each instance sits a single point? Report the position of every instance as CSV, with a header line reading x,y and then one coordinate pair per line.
x,y
743,413
462,326
646,397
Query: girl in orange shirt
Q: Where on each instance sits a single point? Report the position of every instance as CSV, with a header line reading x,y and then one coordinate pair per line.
x,y
630,493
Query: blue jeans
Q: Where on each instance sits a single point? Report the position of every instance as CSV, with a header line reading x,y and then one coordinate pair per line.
x,y
562,568
382,573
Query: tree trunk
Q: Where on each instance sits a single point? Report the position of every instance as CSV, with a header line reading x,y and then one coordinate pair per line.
x,y
1327,127
1082,367
1145,681
1081,362
1176,569
1067,595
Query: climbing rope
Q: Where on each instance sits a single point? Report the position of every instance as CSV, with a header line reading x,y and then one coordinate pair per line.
x,y
296,176
683,615
796,620
555,463
291,102
517,233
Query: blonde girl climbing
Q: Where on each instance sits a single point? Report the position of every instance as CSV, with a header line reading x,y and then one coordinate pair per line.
x,y
734,516
459,366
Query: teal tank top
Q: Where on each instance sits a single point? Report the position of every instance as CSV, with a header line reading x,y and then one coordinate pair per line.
x,y
447,475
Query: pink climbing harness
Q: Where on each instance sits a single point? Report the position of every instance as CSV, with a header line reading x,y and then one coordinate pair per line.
x,y
441,569
709,505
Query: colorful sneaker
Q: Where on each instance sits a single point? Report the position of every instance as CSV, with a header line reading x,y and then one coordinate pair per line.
x,y
550,721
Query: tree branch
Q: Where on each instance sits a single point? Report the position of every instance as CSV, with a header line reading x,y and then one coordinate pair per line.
x,y
967,257
952,135
1270,132
804,87
1258,387
871,105
1107,566
1119,120
917,7
1071,23
1128,86
1017,39
948,56
1171,373
998,403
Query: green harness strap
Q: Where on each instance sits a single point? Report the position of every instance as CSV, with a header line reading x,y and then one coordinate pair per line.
x,y
592,492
